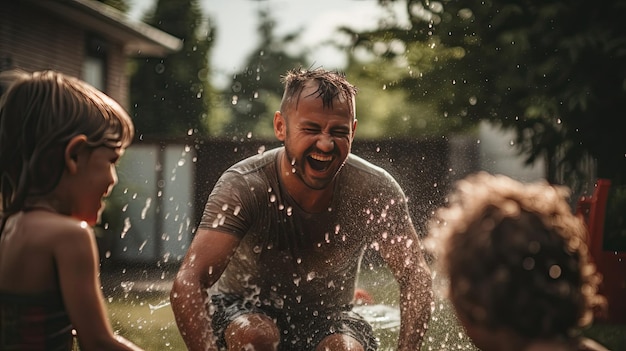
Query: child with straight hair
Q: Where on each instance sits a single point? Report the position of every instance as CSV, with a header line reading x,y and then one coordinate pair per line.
x,y
60,139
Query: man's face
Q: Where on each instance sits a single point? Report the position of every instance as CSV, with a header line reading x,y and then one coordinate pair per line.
x,y
317,139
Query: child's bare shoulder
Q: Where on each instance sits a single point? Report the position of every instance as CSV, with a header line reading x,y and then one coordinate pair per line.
x,y
57,228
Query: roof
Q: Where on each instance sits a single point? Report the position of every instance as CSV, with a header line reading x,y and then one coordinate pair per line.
x,y
140,39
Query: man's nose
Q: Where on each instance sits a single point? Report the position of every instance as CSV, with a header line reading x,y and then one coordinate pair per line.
x,y
325,142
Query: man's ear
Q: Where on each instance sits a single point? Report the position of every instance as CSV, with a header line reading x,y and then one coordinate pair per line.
x,y
354,124
73,148
280,126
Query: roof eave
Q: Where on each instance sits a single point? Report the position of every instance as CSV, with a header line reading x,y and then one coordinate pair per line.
x,y
139,39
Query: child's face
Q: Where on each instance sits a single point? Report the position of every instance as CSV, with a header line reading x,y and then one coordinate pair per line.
x,y
95,178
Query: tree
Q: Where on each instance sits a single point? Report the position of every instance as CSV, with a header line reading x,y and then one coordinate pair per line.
x,y
256,91
384,110
172,96
554,71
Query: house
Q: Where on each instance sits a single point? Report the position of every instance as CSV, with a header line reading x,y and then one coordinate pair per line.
x,y
92,41
82,38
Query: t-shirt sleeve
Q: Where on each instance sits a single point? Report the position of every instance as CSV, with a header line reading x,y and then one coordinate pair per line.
x,y
228,206
389,208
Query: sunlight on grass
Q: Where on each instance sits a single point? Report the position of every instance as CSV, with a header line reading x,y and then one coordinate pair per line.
x,y
146,318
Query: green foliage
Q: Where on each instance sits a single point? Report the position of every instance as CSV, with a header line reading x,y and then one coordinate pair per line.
x,y
256,91
384,109
553,71
172,96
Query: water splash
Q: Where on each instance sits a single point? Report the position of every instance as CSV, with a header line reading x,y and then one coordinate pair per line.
x,y
158,306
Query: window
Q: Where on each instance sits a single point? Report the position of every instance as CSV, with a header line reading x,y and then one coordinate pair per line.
x,y
94,64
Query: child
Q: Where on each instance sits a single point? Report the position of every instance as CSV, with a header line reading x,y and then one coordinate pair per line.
x,y
517,263
60,139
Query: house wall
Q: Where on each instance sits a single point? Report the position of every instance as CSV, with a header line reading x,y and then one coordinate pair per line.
x,y
33,39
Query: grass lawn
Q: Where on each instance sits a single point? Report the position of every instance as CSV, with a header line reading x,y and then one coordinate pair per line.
x,y
147,320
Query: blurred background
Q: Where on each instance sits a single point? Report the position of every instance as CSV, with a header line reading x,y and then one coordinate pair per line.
x,y
533,90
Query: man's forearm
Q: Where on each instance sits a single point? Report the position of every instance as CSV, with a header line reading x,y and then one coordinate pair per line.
x,y
416,302
190,311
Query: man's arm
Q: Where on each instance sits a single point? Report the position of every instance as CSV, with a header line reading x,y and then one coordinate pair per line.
x,y
404,256
204,263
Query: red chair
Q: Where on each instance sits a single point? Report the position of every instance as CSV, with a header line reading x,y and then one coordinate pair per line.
x,y
611,264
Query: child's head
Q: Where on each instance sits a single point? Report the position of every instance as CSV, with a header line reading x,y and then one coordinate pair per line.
x,y
40,113
515,256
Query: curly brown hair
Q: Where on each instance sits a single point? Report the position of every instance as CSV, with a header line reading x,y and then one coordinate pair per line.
x,y
515,256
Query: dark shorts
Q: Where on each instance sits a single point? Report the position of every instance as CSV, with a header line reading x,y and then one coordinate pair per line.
x,y
298,332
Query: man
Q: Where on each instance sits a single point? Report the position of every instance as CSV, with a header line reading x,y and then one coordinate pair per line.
x,y
277,252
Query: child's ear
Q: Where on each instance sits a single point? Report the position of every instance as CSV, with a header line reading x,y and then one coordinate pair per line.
x,y
73,148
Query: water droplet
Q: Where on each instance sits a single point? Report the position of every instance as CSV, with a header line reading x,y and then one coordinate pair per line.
x,y
158,306
528,263
146,207
126,227
555,271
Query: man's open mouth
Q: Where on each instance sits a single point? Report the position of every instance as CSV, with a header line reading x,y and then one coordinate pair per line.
x,y
319,162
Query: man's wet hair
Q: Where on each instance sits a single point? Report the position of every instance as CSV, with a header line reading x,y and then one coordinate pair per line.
x,y
331,85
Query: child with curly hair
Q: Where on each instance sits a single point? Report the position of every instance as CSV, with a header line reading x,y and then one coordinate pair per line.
x,y
516,263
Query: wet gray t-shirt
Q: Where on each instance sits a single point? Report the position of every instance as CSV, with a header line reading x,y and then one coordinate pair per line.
x,y
291,259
